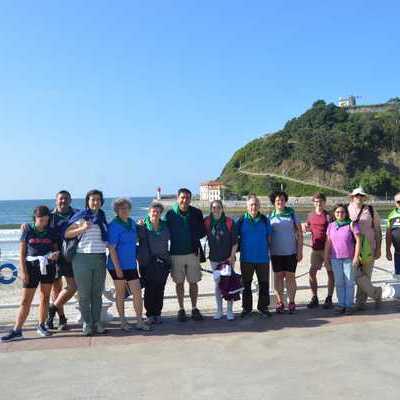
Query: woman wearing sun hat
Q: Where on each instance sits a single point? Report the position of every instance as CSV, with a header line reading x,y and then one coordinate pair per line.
x,y
370,227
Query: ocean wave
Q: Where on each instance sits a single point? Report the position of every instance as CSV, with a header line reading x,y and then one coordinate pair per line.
x,y
9,235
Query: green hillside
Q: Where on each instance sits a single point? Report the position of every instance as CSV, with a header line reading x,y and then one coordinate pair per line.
x,y
325,146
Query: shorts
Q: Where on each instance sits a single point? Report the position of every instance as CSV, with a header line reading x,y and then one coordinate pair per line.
x,y
317,260
188,266
129,275
35,277
284,263
65,268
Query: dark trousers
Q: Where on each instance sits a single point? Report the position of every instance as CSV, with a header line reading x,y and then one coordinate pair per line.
x,y
262,271
155,279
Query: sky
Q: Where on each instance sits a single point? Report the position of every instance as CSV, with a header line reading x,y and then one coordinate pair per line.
x,y
127,96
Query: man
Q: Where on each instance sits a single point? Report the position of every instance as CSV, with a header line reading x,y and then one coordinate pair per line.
x,y
186,227
393,236
58,220
370,227
254,230
317,223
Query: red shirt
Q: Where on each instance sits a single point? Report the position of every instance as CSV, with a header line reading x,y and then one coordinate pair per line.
x,y
318,224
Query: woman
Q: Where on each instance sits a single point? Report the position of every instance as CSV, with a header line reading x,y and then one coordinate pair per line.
x,y
37,255
154,239
286,249
393,236
222,241
122,264
342,249
89,262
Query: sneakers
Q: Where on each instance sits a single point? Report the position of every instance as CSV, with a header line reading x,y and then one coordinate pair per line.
x,y
15,334
182,315
124,325
42,330
279,308
245,314
340,309
292,308
196,315
87,330
328,303
150,320
142,326
378,298
99,328
218,315
265,313
51,315
314,303
348,311
62,325
157,320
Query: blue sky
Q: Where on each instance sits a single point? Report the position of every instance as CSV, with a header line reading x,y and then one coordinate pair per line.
x,y
126,96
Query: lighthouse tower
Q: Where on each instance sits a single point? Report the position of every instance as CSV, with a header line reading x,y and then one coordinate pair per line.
x,y
158,196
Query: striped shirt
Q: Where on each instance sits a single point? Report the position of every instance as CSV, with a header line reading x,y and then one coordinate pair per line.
x,y
91,242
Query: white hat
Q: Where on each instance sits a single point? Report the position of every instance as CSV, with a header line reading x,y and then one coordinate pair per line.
x,y
359,191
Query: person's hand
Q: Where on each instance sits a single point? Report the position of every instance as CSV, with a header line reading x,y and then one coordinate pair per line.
x,y
24,227
232,260
140,221
299,255
86,225
24,277
356,262
389,255
327,263
54,256
377,254
305,226
119,273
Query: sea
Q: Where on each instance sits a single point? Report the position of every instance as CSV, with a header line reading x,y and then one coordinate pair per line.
x,y
13,213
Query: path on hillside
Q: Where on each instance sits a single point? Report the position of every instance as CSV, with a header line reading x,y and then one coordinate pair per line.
x,y
244,172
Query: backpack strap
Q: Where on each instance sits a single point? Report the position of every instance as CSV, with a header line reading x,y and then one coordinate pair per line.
x,y
372,212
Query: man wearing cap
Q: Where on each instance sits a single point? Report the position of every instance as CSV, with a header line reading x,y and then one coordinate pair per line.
x,y
370,226
393,235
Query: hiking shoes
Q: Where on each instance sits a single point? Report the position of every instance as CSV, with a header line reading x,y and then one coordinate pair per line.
x,y
182,316
328,303
15,334
196,315
314,302
42,330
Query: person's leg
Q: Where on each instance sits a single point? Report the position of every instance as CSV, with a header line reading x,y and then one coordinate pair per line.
x,y
278,284
331,282
180,294
56,289
194,293
348,274
25,306
337,268
83,278
291,285
136,290
247,271
262,272
45,289
178,276
65,295
120,288
365,288
217,292
312,277
159,300
397,263
98,280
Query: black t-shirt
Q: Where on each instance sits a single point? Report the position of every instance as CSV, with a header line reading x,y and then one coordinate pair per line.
x,y
59,222
39,243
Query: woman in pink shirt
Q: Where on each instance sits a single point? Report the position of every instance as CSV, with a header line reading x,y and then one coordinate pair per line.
x,y
342,249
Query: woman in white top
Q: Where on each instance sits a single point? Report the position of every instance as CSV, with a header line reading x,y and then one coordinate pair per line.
x,y
89,262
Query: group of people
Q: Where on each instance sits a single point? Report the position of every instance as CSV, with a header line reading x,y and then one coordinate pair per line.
x,y
80,245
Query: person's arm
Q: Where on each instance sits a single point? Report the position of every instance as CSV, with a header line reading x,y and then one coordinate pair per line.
x,y
327,251
357,249
75,230
202,230
299,243
22,262
378,235
115,260
56,253
389,242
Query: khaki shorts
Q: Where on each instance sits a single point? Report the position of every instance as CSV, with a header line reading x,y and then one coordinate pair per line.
x,y
188,266
317,260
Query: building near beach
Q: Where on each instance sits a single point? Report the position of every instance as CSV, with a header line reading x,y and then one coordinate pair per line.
x,y
211,190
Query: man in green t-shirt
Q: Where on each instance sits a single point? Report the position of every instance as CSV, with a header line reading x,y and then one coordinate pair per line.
x,y
186,227
393,235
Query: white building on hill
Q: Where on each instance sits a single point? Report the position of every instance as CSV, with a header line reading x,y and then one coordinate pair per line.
x,y
211,190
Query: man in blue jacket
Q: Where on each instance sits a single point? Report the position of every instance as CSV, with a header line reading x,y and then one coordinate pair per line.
x,y
254,230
